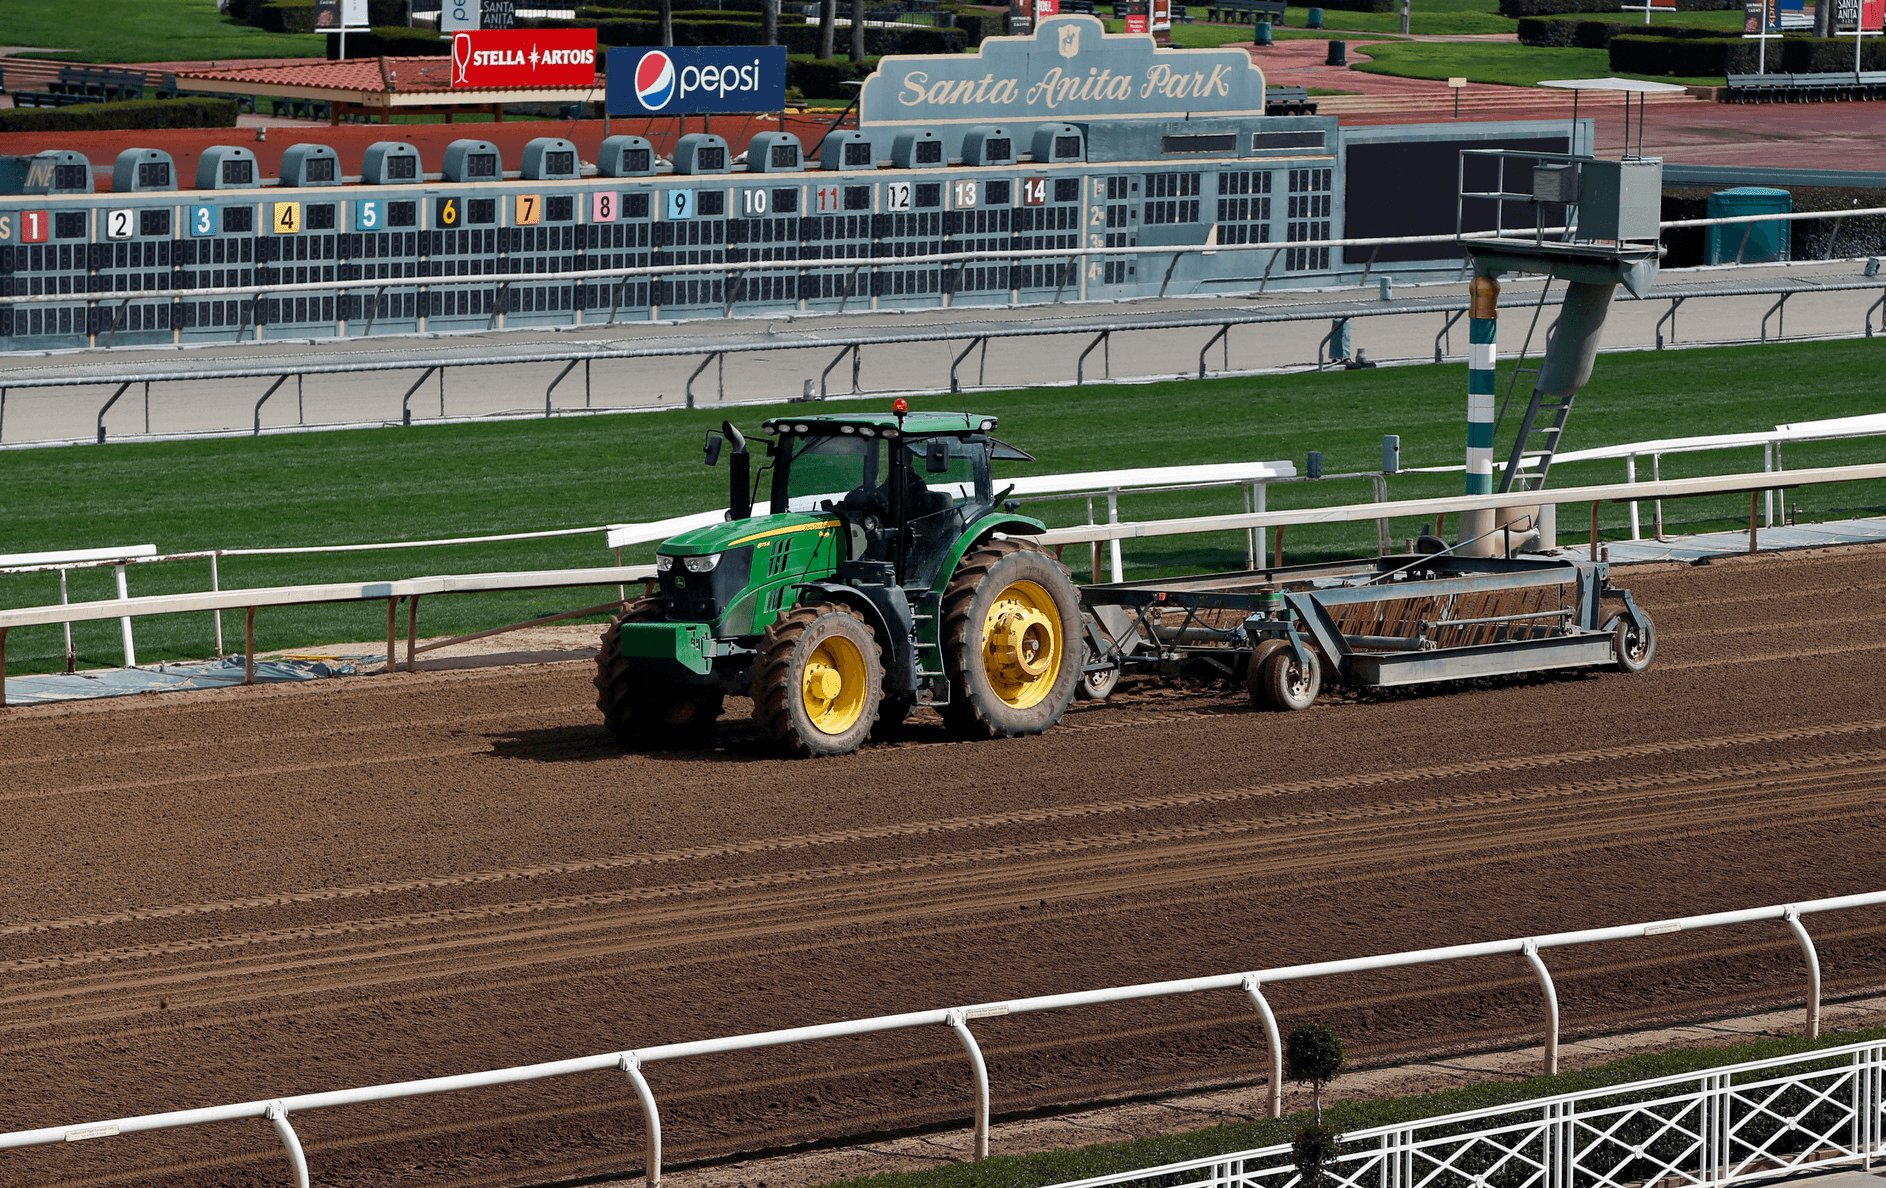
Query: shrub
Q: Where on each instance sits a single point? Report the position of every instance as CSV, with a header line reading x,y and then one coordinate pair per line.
x,y
1312,1152
1690,57
1591,34
1828,55
1313,1055
113,117
1362,5
394,41
823,80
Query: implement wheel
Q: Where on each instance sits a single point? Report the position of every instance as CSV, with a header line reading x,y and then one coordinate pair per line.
x,y
1636,639
1277,680
1011,641
818,682
644,710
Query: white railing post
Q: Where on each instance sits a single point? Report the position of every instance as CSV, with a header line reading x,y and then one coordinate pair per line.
x,y
1768,497
297,1159
631,1064
1630,476
71,657
958,1023
1793,918
1531,951
216,585
1113,546
1656,476
124,624
1254,988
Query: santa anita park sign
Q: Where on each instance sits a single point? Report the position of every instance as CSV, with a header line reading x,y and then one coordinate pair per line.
x,y
1071,68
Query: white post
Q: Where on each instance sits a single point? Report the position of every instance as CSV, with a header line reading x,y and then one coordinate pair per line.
x,y
130,649
632,1065
1113,546
297,1158
70,655
1630,476
1768,464
1656,475
959,1024
1253,988
216,584
1793,918
1531,950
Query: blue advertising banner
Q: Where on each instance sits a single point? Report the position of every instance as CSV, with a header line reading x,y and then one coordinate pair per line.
x,y
696,80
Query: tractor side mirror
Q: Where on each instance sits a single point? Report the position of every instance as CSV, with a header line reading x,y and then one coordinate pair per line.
x,y
711,450
936,455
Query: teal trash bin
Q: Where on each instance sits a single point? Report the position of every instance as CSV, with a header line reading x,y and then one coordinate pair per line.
x,y
1262,34
1315,20
1747,243
1338,54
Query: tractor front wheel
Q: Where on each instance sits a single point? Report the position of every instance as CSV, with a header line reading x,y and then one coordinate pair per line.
x,y
818,682
644,710
1011,641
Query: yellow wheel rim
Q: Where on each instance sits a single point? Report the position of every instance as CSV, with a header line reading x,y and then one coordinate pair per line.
x,y
833,685
1021,644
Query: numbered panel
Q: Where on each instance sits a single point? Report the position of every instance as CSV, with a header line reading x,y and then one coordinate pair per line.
x,y
692,230
621,240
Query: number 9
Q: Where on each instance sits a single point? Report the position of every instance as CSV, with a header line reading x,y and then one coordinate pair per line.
x,y
681,201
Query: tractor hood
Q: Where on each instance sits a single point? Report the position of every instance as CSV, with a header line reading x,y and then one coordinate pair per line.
x,y
716,538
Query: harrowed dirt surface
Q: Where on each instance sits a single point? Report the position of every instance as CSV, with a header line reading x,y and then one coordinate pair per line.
x,y
249,893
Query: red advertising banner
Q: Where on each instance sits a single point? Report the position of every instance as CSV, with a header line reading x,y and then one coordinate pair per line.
x,y
1162,16
1136,16
524,58
1047,8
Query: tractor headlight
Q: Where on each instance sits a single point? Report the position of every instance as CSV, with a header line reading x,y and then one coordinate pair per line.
x,y
702,564
663,563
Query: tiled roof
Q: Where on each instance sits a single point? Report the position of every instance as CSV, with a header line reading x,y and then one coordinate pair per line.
x,y
358,74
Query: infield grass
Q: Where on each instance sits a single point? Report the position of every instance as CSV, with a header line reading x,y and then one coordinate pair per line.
x,y
146,31
436,481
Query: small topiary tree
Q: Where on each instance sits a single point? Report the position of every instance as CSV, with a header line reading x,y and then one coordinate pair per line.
x,y
1313,1055
1312,1152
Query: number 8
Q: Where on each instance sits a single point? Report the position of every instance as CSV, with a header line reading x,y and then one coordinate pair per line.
x,y
605,207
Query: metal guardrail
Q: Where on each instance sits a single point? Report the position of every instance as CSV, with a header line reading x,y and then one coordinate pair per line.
x,y
1732,1124
846,340
631,1062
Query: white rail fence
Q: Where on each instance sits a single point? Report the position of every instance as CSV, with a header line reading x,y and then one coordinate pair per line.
x,y
1734,1124
1250,522
631,1062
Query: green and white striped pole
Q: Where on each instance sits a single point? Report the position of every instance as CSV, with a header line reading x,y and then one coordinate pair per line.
x,y
1483,325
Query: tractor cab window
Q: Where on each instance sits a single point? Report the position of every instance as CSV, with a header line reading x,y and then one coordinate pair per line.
x,y
822,469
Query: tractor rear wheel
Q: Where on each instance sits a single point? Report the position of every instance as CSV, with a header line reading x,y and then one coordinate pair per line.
x,y
644,710
818,681
1011,641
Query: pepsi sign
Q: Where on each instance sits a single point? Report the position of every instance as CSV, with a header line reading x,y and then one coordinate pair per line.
x,y
696,80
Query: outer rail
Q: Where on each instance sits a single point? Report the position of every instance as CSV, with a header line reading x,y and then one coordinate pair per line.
x,y
956,1018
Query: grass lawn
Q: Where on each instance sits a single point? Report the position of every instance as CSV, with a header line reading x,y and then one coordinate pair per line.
x,y
1514,65
147,31
460,480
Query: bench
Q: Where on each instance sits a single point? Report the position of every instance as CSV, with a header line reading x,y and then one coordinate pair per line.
x,y
99,83
47,99
1245,12
1288,101
301,109
1804,88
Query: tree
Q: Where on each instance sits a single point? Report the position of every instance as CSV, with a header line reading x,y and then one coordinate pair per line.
x,y
857,29
828,26
1312,1152
771,23
667,22
1313,1054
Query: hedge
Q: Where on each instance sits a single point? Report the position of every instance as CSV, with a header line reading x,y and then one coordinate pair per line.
x,y
824,80
1362,5
1528,8
730,15
297,16
1564,31
798,39
1688,57
1827,55
394,41
116,117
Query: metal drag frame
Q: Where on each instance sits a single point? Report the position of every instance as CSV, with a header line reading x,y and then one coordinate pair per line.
x,y
1302,604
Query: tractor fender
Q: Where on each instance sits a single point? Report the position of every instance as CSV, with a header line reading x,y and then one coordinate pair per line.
x,y
1006,523
888,612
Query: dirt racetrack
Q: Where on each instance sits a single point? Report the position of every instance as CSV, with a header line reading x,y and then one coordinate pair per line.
x,y
249,893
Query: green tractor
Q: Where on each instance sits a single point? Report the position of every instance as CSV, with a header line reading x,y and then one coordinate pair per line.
x,y
887,574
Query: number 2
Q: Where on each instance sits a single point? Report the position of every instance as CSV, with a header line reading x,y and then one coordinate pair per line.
x,y
118,225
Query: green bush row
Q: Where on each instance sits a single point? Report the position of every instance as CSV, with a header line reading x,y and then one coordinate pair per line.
x,y
115,117
1527,8
297,16
1563,31
1639,54
728,15
1051,1167
797,38
824,80
394,41
1362,5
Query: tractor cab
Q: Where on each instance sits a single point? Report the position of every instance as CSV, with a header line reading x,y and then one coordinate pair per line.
x,y
904,487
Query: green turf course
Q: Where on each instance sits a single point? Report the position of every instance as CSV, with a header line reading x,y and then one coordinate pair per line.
x,y
515,476
1056,1167
1513,65
146,31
